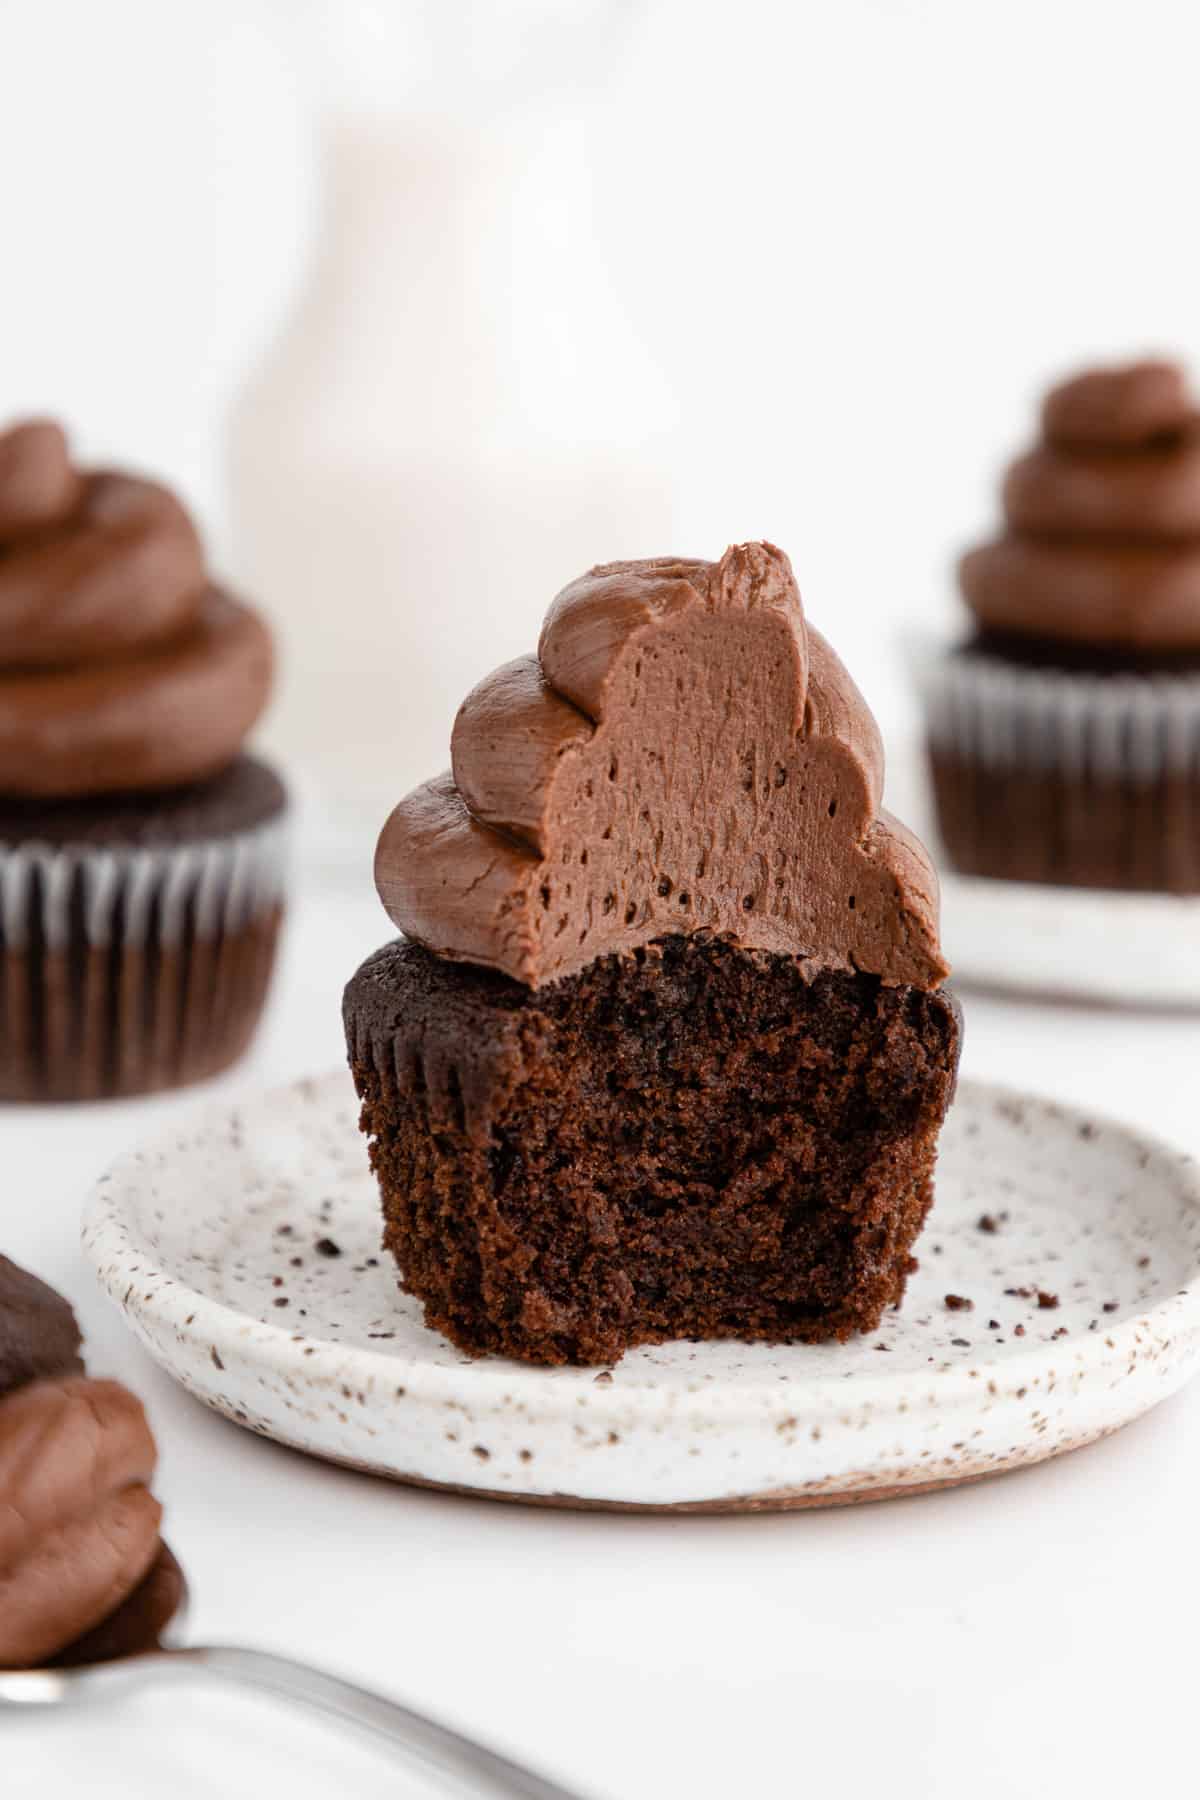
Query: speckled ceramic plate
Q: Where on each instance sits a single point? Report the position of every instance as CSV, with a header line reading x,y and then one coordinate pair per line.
x,y
1058,1298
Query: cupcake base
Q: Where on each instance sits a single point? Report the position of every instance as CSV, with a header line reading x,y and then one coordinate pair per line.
x,y
137,937
1076,773
690,1142
109,1023
1070,830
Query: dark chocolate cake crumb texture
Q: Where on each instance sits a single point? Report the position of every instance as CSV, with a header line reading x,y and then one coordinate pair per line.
x,y
695,1141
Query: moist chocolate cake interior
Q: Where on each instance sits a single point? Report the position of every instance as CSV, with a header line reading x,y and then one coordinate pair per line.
x,y
693,1140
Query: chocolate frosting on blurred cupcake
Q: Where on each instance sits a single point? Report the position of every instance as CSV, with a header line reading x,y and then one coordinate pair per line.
x,y
122,669
80,1552
1102,547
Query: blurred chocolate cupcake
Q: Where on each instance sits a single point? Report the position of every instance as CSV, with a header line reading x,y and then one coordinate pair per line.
x,y
140,852
1064,736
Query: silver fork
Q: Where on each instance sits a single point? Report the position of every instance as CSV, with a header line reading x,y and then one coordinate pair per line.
x,y
435,1746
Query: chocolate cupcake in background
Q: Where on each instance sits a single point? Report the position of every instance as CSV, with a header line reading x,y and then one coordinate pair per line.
x,y
84,1574
664,1052
141,853
1064,735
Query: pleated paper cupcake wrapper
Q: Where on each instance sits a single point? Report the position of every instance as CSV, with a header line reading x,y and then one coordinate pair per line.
x,y
1112,727
1074,779
128,970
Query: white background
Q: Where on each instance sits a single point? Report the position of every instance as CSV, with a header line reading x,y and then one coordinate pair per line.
x,y
851,243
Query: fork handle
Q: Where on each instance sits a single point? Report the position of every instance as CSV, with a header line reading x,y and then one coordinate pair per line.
x,y
427,1742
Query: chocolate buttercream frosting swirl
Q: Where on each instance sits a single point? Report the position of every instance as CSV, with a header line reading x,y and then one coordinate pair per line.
x,y
122,668
683,755
78,1524
79,1527
1102,539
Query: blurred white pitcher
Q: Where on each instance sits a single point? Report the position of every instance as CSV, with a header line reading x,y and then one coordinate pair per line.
x,y
457,418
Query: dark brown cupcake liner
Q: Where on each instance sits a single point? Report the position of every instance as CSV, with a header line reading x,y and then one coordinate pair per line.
x,y
128,970
1067,777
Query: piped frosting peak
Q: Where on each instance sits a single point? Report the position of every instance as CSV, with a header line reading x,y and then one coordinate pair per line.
x,y
1102,539
684,754
122,668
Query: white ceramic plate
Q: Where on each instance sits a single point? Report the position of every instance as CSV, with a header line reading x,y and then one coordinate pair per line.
x,y
1073,943
219,1244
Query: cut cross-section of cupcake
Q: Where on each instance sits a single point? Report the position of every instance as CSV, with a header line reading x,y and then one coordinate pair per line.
x,y
665,1053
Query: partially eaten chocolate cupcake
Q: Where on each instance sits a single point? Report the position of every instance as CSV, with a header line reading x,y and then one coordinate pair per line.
x,y
664,1052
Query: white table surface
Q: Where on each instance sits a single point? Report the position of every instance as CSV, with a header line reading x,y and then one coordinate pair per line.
x,y
1027,1637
